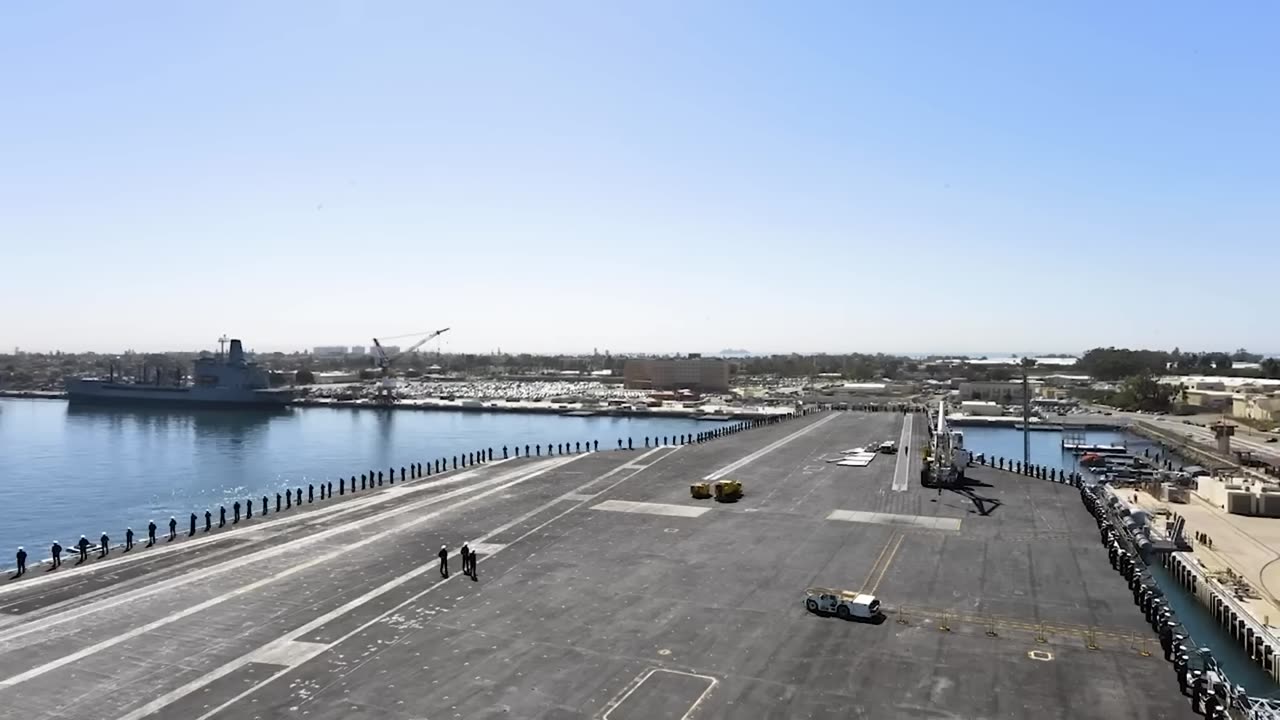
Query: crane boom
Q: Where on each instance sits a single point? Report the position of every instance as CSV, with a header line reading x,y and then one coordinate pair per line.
x,y
384,360
423,341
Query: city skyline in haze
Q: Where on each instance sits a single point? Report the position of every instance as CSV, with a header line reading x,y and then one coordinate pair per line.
x,y
433,348
660,177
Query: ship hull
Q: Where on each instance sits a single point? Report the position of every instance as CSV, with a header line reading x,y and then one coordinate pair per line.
x,y
87,392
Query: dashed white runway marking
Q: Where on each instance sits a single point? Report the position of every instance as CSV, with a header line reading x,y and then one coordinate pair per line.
x,y
645,508
875,518
291,652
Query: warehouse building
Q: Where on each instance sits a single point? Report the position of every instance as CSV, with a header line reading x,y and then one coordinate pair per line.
x,y
706,375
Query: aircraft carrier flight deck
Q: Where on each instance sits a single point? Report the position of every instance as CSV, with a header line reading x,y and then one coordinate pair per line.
x,y
604,590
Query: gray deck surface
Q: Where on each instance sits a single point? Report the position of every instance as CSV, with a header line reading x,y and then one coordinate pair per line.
x,y
338,610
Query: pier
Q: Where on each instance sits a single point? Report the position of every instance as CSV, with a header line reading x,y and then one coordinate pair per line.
x,y
604,590
1239,572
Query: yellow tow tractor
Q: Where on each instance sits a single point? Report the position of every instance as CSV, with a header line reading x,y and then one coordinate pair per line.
x,y
727,490
721,490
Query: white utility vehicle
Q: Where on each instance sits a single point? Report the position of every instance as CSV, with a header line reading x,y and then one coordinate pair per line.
x,y
842,603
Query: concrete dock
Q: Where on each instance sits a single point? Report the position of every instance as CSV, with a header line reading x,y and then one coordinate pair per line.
x,y
1246,547
605,591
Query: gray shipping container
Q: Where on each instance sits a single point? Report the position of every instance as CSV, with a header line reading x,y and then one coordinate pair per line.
x,y
1269,505
1240,503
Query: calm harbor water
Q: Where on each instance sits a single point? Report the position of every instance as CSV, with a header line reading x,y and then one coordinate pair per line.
x,y
1046,449
68,471
1046,445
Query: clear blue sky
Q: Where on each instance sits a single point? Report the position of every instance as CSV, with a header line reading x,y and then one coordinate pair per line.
x,y
644,176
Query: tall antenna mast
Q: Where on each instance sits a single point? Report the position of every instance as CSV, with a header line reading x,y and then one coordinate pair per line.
x,y
222,343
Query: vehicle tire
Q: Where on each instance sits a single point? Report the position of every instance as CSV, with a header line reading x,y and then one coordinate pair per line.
x,y
842,612
811,604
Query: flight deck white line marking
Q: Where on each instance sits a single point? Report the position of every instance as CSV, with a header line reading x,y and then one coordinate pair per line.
x,y
769,448
283,548
577,492
328,513
901,476
711,683
200,607
628,506
267,650
290,654
879,518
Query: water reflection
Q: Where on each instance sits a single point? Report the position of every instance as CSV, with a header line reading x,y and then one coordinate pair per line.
x,y
235,424
384,424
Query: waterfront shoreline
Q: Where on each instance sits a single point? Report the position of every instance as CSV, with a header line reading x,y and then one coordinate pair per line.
x,y
34,394
716,413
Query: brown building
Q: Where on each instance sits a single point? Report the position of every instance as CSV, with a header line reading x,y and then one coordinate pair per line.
x,y
707,375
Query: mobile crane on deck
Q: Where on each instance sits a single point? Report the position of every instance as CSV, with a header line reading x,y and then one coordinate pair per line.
x,y
947,456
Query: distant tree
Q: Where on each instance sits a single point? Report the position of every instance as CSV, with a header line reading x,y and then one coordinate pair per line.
x,y
1117,363
863,369
1242,355
1145,392
1271,367
304,377
889,367
999,373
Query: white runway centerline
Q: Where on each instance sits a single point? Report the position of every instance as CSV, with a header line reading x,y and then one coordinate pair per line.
x,y
902,470
769,448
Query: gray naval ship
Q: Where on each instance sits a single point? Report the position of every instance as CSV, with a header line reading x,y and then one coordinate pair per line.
x,y
228,379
